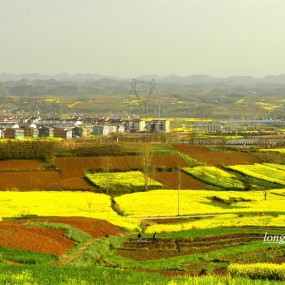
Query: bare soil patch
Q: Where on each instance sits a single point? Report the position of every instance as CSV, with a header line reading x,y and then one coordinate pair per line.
x,y
157,161
24,164
95,227
76,183
76,166
29,180
218,158
19,236
175,180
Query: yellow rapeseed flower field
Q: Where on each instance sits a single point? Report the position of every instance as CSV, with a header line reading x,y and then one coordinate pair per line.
x,y
229,205
68,203
223,220
278,150
258,271
193,202
262,171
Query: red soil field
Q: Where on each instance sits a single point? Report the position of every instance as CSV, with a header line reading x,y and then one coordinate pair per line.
x,y
15,234
29,180
217,158
190,148
171,180
20,164
95,227
72,168
163,161
18,236
76,183
75,166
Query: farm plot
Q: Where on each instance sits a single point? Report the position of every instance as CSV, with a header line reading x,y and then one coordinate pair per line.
x,y
62,203
258,271
76,183
20,164
218,158
262,171
215,176
146,249
72,170
274,150
29,180
95,227
275,165
76,166
191,202
216,221
176,180
157,161
127,181
18,236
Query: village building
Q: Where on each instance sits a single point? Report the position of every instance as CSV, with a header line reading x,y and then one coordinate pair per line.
x,y
31,131
80,132
158,126
62,132
135,125
13,133
104,130
46,131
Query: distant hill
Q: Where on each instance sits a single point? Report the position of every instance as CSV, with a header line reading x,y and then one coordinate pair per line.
x,y
202,96
172,78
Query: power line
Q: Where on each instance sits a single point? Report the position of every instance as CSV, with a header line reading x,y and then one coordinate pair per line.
x,y
143,90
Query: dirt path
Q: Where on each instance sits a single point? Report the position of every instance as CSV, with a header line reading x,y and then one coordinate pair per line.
x,y
65,259
180,217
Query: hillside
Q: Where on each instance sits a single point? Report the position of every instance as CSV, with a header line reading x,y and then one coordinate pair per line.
x,y
194,96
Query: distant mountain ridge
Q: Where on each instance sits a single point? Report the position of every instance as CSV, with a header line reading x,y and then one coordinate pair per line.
x,y
172,78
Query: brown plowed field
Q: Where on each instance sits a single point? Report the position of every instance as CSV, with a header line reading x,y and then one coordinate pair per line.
x,y
75,166
71,169
171,179
163,161
29,180
14,234
217,158
167,248
75,183
20,164
18,236
95,227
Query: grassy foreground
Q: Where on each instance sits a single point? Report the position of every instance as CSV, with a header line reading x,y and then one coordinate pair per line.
x,y
98,275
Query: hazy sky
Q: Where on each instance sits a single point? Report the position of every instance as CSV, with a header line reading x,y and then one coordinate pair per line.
x,y
137,37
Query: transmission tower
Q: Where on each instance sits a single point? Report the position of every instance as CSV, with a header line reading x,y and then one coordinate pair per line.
x,y
143,89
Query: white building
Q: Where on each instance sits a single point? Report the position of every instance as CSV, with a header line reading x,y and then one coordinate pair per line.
x,y
158,126
135,125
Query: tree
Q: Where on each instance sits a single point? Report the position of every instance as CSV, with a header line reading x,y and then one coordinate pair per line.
x,y
107,169
146,155
179,187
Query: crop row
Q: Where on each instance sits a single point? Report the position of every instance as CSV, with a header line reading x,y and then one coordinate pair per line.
x,y
258,271
261,171
215,176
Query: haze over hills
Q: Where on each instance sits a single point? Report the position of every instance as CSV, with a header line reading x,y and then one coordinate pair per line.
x,y
188,96
192,79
